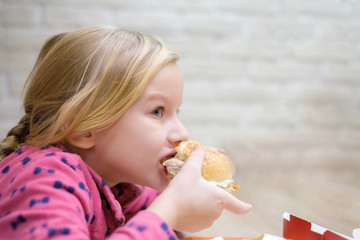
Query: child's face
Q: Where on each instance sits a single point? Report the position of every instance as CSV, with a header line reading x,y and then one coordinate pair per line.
x,y
131,149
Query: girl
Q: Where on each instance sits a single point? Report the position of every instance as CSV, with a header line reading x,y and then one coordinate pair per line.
x,y
84,162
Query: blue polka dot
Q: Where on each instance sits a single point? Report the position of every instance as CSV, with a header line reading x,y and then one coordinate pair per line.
x,y
50,154
66,162
81,185
22,189
141,228
70,189
32,203
61,231
20,219
103,183
51,232
164,226
92,220
18,151
146,204
44,147
37,170
12,180
43,200
5,169
78,209
32,229
58,184
120,193
25,160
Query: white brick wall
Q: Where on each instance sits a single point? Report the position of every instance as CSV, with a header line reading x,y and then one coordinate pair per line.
x,y
275,79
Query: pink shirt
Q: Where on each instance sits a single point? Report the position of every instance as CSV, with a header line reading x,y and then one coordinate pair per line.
x,y
48,193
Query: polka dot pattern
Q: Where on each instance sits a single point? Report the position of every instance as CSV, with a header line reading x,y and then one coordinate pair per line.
x,y
47,192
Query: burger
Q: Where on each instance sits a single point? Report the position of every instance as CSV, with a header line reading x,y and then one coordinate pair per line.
x,y
217,167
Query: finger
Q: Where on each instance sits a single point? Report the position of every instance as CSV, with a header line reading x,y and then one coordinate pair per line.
x,y
220,150
236,206
195,159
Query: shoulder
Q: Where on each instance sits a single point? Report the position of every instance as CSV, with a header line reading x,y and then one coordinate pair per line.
x,y
44,186
30,163
53,157
44,171
45,156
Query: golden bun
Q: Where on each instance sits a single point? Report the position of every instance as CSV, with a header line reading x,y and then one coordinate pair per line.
x,y
217,167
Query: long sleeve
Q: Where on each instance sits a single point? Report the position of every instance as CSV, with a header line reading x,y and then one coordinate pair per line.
x,y
144,225
47,193
135,199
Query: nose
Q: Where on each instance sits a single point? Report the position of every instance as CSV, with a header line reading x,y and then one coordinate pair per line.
x,y
178,133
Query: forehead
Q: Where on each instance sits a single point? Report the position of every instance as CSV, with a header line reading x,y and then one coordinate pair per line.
x,y
167,82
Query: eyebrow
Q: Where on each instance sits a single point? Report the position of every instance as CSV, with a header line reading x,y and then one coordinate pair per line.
x,y
155,96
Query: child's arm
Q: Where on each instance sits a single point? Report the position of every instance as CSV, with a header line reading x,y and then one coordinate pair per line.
x,y
145,225
190,203
142,224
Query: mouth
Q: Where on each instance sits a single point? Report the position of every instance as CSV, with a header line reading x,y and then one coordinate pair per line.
x,y
167,158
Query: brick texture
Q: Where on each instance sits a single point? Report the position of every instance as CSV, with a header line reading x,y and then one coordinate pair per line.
x,y
279,78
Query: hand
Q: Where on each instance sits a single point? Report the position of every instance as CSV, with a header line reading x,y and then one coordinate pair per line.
x,y
190,203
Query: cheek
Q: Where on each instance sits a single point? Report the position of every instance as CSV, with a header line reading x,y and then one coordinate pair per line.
x,y
136,139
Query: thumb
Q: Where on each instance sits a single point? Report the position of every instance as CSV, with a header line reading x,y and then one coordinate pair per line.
x,y
195,159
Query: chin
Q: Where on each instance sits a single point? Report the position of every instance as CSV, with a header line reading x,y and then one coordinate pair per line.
x,y
159,180
160,185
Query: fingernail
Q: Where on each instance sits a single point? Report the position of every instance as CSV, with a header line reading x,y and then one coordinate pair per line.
x,y
250,206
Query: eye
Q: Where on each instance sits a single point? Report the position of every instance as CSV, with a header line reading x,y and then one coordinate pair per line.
x,y
158,112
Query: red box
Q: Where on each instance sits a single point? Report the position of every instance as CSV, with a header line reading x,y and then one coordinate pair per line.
x,y
294,228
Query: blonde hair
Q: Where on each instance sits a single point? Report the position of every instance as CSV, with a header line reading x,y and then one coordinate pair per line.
x,y
84,80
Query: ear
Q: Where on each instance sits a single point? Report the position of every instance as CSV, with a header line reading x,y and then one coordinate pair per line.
x,y
84,141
